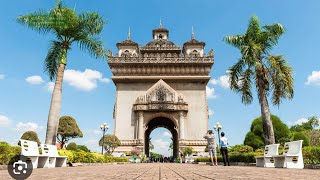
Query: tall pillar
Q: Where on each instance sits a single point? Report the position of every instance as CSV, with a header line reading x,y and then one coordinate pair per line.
x,y
140,130
181,124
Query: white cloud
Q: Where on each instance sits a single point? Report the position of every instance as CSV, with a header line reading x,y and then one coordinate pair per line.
x,y
2,76
97,132
105,80
166,134
4,120
34,80
211,112
86,80
28,126
223,81
314,78
50,86
210,93
300,121
161,147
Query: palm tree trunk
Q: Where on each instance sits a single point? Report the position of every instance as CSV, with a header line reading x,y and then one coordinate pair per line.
x,y
265,114
54,113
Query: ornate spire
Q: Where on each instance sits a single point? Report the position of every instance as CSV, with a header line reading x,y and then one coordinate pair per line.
x,y
129,34
160,23
192,34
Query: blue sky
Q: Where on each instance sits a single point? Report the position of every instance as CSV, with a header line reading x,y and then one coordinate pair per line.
x,y
24,100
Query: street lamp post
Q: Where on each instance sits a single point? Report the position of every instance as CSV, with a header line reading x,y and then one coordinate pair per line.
x,y
104,127
218,127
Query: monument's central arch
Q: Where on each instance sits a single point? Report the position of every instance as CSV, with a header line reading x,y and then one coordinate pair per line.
x,y
160,85
165,123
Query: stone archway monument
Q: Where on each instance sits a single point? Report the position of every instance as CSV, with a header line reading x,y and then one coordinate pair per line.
x,y
160,85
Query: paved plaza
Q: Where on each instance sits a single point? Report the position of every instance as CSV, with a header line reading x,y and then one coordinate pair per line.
x,y
168,171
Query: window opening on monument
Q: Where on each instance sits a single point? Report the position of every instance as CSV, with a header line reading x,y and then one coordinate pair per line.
x,y
160,36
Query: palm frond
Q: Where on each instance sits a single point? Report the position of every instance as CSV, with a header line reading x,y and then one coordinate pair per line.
x,y
91,23
271,35
235,73
254,29
38,21
235,40
93,46
55,53
245,86
282,79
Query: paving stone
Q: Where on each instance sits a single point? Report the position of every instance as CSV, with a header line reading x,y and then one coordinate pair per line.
x,y
168,171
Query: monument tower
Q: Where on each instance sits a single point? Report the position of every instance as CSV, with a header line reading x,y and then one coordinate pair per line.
x,y
160,85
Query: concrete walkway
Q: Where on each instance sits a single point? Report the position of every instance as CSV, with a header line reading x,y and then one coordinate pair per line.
x,y
168,171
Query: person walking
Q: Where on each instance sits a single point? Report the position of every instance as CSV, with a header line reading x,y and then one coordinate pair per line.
x,y
210,137
224,149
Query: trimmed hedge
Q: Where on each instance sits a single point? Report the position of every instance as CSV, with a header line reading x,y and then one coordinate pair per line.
x,y
7,152
89,157
311,155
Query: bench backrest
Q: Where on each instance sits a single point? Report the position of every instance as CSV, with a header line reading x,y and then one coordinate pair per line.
x,y
49,150
29,148
293,148
271,150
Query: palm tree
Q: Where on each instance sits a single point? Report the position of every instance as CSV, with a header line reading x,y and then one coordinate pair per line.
x,y
68,27
270,73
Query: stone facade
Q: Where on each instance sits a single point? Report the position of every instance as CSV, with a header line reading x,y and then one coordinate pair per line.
x,y
161,85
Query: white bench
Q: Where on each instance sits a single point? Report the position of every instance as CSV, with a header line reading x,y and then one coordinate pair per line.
x,y
267,160
292,156
30,149
55,159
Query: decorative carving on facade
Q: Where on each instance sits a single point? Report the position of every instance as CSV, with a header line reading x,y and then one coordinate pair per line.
x,y
184,142
161,97
153,59
134,142
210,54
110,53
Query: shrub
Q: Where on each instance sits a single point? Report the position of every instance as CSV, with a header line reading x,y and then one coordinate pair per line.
x,y
69,154
89,157
255,137
245,157
301,136
241,149
7,152
311,155
253,140
72,146
83,148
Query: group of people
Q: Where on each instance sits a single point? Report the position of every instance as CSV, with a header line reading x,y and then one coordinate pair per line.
x,y
161,159
210,137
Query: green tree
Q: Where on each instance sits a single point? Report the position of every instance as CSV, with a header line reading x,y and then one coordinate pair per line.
x,y
31,136
255,137
110,142
253,140
69,28
187,151
311,124
256,66
83,148
72,146
301,136
68,129
314,136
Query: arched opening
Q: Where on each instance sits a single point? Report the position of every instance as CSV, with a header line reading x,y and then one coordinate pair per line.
x,y
165,123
